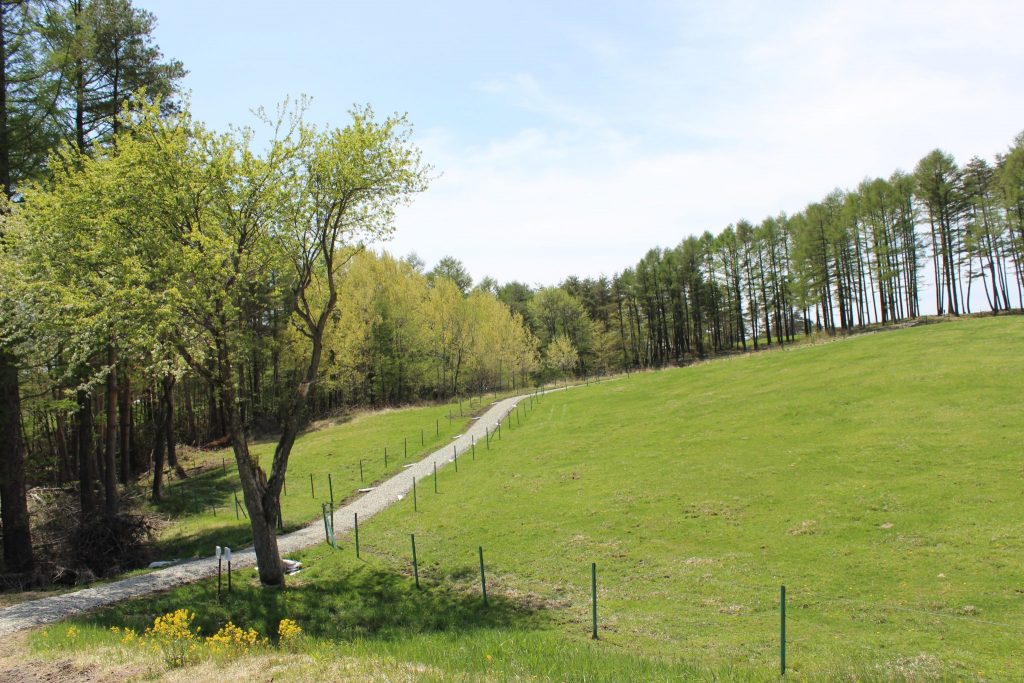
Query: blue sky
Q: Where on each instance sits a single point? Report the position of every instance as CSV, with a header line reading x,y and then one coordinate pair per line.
x,y
571,137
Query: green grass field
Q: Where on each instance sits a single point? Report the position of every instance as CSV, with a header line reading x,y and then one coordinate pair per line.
x,y
201,509
878,478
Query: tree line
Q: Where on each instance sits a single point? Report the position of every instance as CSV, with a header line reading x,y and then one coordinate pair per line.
x,y
855,258
67,67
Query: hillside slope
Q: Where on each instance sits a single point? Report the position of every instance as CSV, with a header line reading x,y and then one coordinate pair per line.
x,y
877,477
872,476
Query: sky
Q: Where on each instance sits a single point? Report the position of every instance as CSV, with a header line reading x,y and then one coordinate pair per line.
x,y
569,138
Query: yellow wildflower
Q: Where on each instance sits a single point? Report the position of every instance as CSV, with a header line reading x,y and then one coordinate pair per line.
x,y
287,630
231,640
173,634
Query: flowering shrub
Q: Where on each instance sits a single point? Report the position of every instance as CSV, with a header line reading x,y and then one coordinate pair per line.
x,y
180,643
173,635
230,640
288,633
128,635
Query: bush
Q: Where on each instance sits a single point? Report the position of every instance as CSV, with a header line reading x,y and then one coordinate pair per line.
x,y
109,545
180,644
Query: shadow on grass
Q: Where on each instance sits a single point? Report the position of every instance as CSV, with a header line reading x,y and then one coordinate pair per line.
x,y
199,492
363,602
235,535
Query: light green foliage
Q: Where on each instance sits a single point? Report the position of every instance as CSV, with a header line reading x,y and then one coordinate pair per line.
x,y
449,331
81,255
401,336
172,238
553,312
192,240
561,355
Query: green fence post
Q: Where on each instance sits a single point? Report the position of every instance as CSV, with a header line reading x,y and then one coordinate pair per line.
x,y
312,492
323,513
415,567
782,630
415,506
435,477
327,523
385,458
330,485
355,522
421,438
437,428
360,470
405,448
474,448
483,579
593,592
455,455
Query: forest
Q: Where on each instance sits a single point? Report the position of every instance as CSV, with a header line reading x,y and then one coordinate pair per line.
x,y
162,283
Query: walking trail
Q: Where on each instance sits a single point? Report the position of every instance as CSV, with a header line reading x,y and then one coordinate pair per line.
x,y
45,611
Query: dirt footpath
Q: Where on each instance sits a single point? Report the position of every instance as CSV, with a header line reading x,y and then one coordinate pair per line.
x,y
56,608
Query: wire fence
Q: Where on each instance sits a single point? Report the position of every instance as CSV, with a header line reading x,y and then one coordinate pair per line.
x,y
791,619
809,609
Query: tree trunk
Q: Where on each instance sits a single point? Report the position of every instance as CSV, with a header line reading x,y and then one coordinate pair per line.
x,y
110,436
254,487
124,410
86,473
13,507
61,442
167,433
141,419
159,443
192,437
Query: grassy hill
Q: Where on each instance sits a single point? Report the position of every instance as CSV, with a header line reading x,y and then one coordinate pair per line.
x,y
340,458
878,477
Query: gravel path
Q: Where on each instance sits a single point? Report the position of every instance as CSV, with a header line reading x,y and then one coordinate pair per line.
x,y
49,610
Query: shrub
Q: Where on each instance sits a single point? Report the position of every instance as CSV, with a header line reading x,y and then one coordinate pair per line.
x,y
173,635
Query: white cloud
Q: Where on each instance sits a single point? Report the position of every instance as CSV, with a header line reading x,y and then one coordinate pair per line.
x,y
776,111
